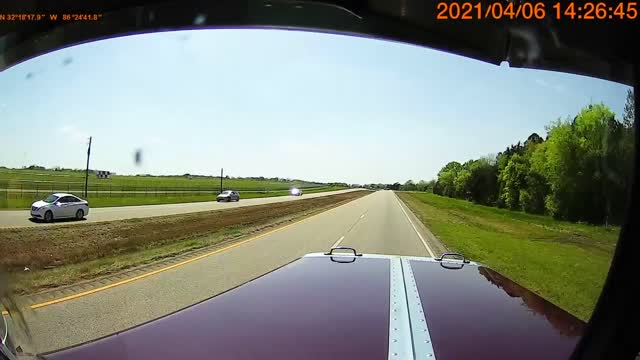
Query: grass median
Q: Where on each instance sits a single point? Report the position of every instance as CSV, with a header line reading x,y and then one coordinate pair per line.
x,y
566,263
66,254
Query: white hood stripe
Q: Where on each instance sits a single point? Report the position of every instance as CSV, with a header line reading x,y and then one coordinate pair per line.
x,y
422,344
400,345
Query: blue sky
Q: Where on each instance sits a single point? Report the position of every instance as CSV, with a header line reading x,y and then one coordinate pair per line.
x,y
276,103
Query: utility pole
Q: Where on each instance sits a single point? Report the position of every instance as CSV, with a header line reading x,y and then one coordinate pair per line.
x,y
221,172
86,174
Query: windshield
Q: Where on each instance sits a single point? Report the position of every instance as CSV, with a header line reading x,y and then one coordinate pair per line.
x,y
51,199
394,150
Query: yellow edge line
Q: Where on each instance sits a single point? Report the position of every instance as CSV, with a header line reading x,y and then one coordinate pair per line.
x,y
122,282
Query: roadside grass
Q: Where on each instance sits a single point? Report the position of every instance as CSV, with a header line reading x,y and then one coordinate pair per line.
x,y
566,263
65,254
150,199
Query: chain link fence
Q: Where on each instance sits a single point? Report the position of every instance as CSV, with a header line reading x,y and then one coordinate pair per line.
x,y
38,189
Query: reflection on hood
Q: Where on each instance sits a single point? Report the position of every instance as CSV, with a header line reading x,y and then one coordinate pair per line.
x,y
564,322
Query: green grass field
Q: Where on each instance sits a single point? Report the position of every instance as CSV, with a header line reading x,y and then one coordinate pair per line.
x,y
29,179
566,263
145,199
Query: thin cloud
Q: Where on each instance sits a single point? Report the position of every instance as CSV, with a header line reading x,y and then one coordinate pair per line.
x,y
554,86
541,82
75,134
154,140
559,88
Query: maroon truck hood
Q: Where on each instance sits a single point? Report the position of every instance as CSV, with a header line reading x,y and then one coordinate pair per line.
x,y
322,307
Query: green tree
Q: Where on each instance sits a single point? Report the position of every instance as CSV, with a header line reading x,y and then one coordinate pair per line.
x,y
629,110
483,181
447,177
535,187
409,186
513,179
532,141
461,183
618,160
425,185
580,172
586,166
502,160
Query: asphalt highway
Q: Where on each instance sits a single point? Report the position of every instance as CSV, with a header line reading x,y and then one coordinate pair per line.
x,y
22,218
376,223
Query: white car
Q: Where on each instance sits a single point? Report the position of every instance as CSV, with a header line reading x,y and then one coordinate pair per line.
x,y
295,192
228,196
59,206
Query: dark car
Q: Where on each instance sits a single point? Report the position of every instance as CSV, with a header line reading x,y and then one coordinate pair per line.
x,y
228,195
354,306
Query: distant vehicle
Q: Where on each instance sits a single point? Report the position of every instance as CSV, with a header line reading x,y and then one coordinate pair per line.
x,y
59,206
296,192
228,195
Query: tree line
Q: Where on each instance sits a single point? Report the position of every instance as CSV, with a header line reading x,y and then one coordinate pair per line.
x,y
407,186
581,171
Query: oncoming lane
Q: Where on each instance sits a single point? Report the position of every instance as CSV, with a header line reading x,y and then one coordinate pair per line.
x,y
21,218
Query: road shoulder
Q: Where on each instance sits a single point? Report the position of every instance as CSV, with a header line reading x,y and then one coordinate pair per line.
x,y
432,241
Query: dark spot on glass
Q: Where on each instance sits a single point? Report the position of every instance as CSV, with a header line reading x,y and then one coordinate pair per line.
x,y
137,157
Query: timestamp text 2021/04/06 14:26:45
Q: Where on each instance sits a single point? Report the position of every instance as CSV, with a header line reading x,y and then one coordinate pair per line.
x,y
456,10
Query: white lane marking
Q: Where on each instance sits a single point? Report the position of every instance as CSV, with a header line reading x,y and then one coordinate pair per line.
x,y
414,227
348,231
338,242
